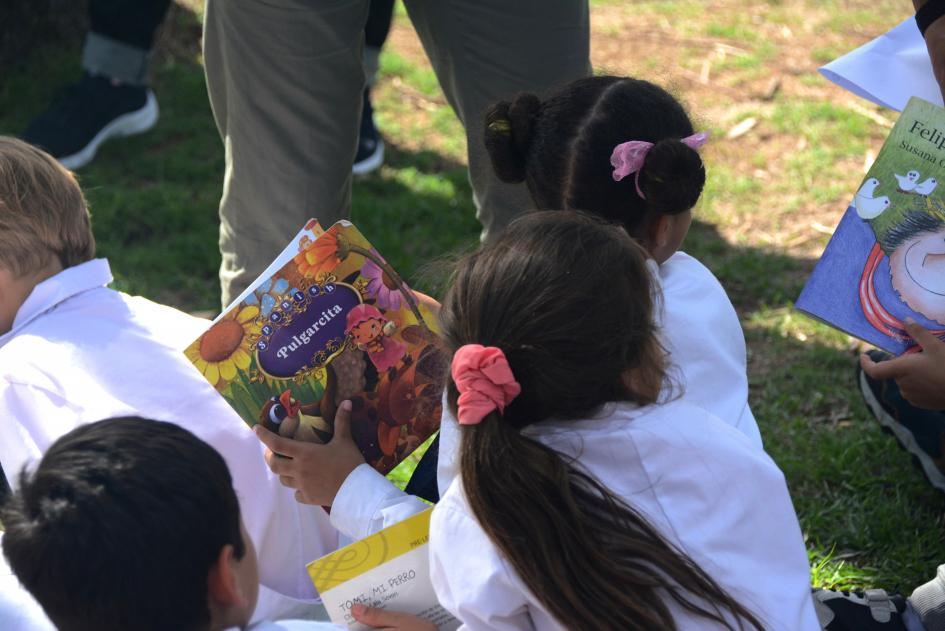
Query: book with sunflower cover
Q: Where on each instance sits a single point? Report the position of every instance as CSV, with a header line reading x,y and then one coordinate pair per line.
x,y
886,260
330,321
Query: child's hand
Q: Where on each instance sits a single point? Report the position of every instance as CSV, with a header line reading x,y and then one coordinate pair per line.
x,y
920,376
315,471
390,620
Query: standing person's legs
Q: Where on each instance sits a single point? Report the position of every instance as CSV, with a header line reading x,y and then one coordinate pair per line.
x,y
370,154
285,81
488,50
375,34
119,41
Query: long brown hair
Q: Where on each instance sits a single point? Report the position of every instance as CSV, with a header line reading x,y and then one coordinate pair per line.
x,y
568,299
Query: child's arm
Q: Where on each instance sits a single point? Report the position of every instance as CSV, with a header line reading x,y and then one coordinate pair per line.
x,y
920,376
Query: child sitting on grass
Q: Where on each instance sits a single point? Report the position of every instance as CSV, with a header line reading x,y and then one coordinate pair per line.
x,y
587,499
134,524
625,150
74,351
591,501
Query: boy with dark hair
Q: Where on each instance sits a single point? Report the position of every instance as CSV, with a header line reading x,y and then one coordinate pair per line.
x,y
146,509
133,524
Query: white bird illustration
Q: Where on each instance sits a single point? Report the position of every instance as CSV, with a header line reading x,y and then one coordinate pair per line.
x,y
926,187
908,181
870,207
868,188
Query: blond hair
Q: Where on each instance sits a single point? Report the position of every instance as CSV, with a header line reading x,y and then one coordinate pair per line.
x,y
43,214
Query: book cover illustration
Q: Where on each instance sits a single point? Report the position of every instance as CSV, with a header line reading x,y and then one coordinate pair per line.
x,y
388,569
886,259
333,322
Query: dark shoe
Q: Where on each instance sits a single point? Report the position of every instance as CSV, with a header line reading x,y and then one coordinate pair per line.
x,y
920,432
859,611
370,154
89,113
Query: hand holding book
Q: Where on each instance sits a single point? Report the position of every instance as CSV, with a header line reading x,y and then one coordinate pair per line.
x,y
329,321
920,376
316,472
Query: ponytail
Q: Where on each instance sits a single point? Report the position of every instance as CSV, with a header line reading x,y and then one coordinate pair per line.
x,y
567,300
672,177
591,559
508,135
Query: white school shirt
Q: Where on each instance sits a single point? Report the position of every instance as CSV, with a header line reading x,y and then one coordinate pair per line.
x,y
703,337
79,352
699,482
700,331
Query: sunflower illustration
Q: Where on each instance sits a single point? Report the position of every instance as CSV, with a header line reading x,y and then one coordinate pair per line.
x,y
226,346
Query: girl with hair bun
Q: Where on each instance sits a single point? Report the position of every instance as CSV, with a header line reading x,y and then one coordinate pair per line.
x,y
625,150
586,500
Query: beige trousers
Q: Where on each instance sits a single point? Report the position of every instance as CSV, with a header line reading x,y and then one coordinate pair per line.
x,y
285,80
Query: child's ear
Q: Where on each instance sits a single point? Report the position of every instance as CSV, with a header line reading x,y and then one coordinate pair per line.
x,y
223,585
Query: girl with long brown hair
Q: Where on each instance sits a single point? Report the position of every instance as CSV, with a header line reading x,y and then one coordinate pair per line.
x,y
586,500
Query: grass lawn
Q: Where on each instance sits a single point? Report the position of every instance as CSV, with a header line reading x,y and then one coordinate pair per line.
x,y
774,194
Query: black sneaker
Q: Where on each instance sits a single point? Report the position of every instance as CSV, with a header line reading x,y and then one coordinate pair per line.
x,y
920,432
87,114
859,611
370,154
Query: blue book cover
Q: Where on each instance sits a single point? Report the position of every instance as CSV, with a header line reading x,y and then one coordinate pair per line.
x,y
886,259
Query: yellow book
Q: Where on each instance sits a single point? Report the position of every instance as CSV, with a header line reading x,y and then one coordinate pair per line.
x,y
390,570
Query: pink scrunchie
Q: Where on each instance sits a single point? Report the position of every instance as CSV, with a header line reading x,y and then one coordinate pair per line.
x,y
484,380
628,157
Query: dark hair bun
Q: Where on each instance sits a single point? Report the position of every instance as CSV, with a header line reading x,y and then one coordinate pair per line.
x,y
508,135
672,177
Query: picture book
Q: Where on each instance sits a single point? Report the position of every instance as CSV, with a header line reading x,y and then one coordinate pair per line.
x,y
388,569
330,321
886,259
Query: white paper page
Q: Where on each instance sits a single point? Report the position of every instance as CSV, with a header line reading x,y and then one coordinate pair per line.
x,y
401,584
889,69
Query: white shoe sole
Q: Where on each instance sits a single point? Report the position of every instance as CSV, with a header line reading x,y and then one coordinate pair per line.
x,y
136,122
905,438
372,162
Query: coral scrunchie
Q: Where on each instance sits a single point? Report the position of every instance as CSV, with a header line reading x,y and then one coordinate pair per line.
x,y
484,380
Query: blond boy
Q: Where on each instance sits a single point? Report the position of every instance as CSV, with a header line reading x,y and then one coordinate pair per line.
x,y
74,351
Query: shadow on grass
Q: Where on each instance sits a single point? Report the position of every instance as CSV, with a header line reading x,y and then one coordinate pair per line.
x,y
856,492
753,277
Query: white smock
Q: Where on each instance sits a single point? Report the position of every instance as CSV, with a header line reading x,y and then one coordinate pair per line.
x,y
704,486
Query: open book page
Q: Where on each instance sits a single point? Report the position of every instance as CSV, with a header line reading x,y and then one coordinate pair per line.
x,y
390,570
888,70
